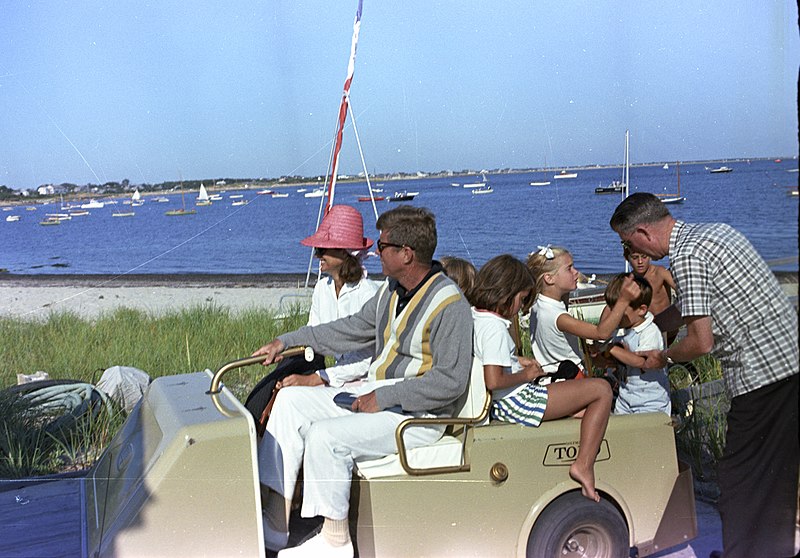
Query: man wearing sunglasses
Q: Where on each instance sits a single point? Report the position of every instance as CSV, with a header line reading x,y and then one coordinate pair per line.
x,y
734,309
419,327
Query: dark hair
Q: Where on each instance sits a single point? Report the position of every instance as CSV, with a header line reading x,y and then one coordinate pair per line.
x,y
615,286
411,226
637,209
459,270
498,282
351,270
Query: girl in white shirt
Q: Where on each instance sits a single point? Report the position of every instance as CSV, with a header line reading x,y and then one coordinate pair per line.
x,y
554,331
502,288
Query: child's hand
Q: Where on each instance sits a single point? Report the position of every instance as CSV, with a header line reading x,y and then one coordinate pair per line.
x,y
630,289
532,371
526,361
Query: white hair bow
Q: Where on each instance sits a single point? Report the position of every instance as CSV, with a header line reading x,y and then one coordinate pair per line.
x,y
546,252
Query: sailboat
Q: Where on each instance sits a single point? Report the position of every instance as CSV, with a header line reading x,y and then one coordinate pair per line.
x,y
136,198
674,198
202,198
182,210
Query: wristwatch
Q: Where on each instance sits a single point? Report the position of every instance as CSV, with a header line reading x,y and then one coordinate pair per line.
x,y
666,356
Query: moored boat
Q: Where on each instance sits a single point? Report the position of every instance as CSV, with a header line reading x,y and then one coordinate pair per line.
x,y
179,212
720,170
403,196
616,187
565,174
202,197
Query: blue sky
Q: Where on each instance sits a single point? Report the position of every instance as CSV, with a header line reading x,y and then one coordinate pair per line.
x,y
102,91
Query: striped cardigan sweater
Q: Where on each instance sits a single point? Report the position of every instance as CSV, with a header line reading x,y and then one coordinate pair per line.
x,y
423,355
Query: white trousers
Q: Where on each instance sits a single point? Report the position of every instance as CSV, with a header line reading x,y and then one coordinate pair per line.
x,y
306,427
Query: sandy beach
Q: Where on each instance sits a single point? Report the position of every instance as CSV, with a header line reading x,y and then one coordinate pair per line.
x,y
36,296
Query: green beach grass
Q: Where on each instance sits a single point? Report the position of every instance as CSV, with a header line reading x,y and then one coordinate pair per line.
x,y
68,346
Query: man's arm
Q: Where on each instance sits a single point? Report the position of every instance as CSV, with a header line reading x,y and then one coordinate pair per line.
x,y
344,335
699,341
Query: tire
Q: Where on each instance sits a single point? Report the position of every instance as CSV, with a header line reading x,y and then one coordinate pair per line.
x,y
573,526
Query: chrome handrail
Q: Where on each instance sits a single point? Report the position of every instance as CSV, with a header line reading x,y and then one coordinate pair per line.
x,y
216,380
448,421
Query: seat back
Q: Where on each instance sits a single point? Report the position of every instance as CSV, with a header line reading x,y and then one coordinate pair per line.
x,y
472,401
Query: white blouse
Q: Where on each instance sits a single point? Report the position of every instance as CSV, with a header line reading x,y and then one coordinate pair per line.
x,y
326,307
550,345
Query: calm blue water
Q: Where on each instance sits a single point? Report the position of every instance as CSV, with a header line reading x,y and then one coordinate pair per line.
x,y
263,237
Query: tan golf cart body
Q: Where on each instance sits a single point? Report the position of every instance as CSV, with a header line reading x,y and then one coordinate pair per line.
x,y
180,479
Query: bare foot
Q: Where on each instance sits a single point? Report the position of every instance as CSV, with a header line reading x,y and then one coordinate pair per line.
x,y
586,479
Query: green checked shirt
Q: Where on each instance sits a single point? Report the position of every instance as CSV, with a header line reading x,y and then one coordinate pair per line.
x,y
718,273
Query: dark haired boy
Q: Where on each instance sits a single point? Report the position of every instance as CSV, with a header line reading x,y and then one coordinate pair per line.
x,y
641,390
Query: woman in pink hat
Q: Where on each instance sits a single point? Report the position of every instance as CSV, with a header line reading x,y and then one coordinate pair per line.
x,y
340,245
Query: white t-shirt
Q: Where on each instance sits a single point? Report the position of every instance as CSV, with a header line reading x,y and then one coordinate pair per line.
x,y
551,345
493,344
326,307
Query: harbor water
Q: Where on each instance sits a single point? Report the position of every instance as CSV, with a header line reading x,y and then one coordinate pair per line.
x,y
264,235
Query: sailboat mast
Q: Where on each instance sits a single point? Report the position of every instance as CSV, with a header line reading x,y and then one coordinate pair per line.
x,y
343,106
351,66
626,189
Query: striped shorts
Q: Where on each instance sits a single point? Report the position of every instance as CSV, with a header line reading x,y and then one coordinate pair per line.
x,y
524,407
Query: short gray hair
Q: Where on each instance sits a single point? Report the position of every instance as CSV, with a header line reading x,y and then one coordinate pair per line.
x,y
637,209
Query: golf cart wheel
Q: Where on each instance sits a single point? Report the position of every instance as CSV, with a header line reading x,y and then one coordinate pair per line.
x,y
574,526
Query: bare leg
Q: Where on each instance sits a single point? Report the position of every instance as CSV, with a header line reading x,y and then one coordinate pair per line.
x,y
593,396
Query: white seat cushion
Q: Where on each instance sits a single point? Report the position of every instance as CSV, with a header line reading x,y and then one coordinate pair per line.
x,y
445,452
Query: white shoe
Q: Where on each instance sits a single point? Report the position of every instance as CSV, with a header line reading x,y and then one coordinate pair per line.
x,y
318,547
273,539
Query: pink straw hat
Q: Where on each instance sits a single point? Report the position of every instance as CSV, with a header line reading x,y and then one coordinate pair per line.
x,y
342,228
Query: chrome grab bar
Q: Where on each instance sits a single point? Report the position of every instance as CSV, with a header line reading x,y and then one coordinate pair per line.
x,y
216,380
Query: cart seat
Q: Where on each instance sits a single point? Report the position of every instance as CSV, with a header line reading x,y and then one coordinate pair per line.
x,y
447,453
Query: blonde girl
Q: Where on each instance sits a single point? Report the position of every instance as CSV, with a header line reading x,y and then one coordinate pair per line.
x,y
555,332
502,288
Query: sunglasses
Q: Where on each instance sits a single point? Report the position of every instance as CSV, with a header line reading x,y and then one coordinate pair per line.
x,y
319,252
382,245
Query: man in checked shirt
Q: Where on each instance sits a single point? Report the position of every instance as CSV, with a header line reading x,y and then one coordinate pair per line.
x,y
734,309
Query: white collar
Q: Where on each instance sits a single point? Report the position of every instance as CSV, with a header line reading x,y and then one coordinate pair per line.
x,y
648,319
488,315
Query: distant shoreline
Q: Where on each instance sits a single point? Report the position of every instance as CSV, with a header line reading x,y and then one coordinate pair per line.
x,y
306,182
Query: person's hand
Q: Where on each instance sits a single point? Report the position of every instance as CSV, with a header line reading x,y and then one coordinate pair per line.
x,y
533,371
300,380
526,361
367,403
271,351
630,289
653,359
